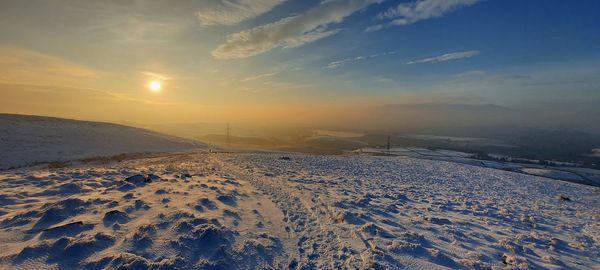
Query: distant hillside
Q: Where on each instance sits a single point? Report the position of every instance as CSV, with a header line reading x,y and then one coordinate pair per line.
x,y
237,140
26,140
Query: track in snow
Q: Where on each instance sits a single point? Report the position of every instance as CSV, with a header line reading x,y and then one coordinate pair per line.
x,y
247,211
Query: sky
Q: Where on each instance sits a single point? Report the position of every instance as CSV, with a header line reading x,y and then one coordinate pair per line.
x,y
354,64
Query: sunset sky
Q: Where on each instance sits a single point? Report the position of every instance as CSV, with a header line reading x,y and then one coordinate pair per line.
x,y
345,63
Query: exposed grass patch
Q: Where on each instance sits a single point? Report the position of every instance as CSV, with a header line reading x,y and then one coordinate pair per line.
x,y
58,164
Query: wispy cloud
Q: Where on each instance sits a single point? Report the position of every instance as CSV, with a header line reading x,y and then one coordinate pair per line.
x,y
374,28
125,24
445,57
259,76
156,76
230,12
412,12
291,31
382,79
336,64
25,66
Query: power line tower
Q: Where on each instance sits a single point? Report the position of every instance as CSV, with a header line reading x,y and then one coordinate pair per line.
x,y
228,141
389,143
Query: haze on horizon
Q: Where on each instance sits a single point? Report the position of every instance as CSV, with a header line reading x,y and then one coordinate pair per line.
x,y
367,64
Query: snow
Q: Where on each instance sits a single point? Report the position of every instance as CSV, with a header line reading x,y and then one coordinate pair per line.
x,y
27,140
175,212
261,211
560,170
550,173
416,152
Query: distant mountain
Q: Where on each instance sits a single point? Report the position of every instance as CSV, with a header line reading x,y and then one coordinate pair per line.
x,y
26,140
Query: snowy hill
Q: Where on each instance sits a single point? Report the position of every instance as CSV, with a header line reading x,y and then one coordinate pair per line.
x,y
270,211
26,140
199,210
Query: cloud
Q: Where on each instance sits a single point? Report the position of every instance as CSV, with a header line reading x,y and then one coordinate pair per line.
x,y
336,64
156,76
383,79
136,29
374,28
412,12
291,31
47,93
25,66
230,12
446,57
259,76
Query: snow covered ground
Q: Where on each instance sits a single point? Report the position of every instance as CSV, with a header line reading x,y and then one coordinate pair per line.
x,y
26,140
556,174
559,170
280,211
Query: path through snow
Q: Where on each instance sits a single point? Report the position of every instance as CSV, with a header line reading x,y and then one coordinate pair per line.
x,y
248,211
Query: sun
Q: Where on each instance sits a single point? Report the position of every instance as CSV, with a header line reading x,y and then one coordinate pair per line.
x,y
155,86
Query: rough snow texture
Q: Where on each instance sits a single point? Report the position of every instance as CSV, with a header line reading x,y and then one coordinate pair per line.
x,y
186,215
262,211
26,140
560,170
